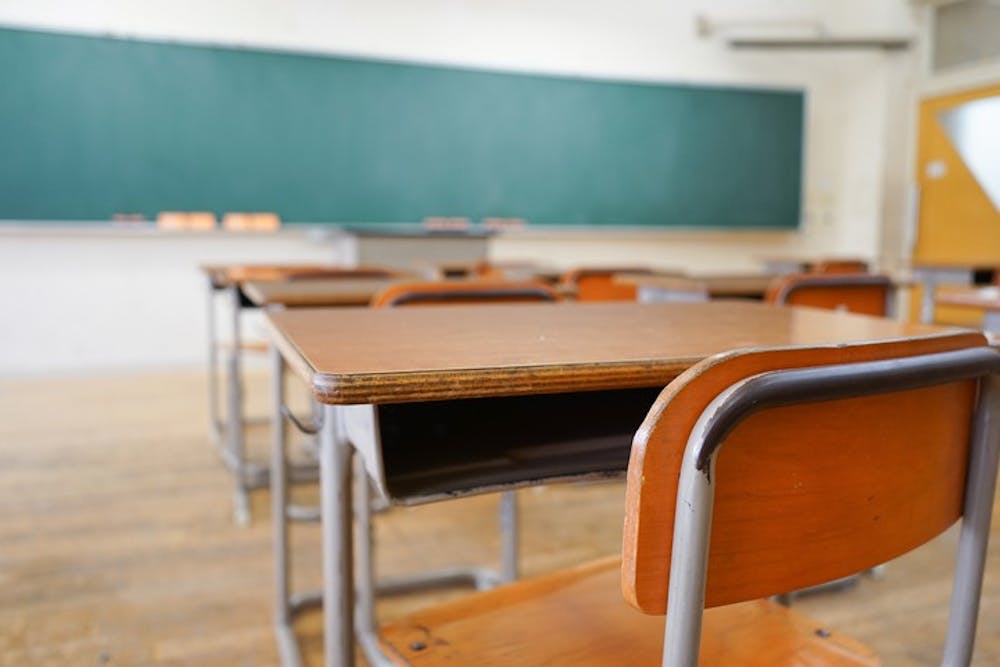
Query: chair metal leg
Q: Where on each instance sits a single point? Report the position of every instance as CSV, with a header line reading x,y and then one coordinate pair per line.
x,y
980,487
786,599
215,423
686,597
235,440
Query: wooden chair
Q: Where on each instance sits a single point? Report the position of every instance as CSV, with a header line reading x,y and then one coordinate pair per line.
x,y
342,273
436,293
796,465
857,293
840,266
598,283
197,221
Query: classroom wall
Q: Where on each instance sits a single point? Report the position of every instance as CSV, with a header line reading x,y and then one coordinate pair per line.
x,y
82,300
919,82
644,39
852,101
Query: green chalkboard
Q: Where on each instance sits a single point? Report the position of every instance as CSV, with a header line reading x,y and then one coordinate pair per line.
x,y
95,126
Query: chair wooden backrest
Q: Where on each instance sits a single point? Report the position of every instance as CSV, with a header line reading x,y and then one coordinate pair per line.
x,y
465,291
840,266
599,284
804,487
867,294
199,221
343,273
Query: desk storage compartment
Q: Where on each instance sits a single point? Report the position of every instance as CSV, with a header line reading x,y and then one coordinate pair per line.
x,y
464,446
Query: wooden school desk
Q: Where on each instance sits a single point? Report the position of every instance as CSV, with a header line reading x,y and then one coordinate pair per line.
x,y
546,392
314,292
228,433
930,275
986,299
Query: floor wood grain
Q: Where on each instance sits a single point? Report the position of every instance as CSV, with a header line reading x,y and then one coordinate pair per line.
x,y
116,546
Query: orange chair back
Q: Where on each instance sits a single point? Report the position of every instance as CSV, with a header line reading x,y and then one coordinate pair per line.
x,y
806,493
599,284
457,292
337,272
840,266
857,293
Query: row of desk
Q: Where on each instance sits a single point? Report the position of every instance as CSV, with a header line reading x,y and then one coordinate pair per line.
x,y
265,286
546,393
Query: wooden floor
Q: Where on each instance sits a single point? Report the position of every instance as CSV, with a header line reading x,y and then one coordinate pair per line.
x,y
116,545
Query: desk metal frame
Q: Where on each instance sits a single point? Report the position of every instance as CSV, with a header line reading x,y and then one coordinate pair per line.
x,y
228,434
350,492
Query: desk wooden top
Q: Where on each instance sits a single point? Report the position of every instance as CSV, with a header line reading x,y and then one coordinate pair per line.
x,y
226,275
315,292
362,355
986,298
717,285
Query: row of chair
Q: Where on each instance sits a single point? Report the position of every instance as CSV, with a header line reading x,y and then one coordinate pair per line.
x,y
838,286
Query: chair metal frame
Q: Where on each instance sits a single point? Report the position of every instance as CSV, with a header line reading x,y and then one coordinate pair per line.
x,y
695,492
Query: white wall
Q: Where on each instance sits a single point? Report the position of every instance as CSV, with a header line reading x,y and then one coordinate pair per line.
x,y
116,300
853,97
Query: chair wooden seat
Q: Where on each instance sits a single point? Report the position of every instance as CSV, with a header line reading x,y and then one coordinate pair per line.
x,y
578,617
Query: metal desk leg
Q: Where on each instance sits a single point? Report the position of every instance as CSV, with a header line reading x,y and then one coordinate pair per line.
x,y
508,536
235,442
338,547
215,422
288,648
